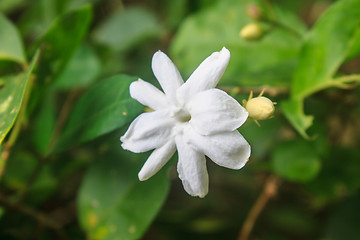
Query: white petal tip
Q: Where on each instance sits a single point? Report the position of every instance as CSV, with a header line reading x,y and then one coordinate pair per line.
x,y
224,50
135,86
142,178
132,88
199,195
124,146
223,54
202,195
242,164
158,53
135,82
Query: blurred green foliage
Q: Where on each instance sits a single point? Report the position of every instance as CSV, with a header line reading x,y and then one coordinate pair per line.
x,y
65,70
114,204
219,26
12,94
326,47
103,108
11,45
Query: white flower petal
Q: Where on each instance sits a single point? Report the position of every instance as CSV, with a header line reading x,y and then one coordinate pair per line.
x,y
192,169
167,75
157,160
148,95
148,131
213,111
228,149
206,76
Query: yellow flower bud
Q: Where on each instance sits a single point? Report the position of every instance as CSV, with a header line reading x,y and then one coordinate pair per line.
x,y
251,31
260,108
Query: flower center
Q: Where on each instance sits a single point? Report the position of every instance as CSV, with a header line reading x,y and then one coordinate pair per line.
x,y
181,115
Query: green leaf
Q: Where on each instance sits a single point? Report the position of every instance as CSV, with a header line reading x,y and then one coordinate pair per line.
x,y
326,47
63,37
11,46
269,61
328,44
126,28
114,204
11,96
296,161
104,108
294,112
82,69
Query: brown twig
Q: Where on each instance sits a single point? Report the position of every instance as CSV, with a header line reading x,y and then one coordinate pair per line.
x,y
269,191
63,116
272,91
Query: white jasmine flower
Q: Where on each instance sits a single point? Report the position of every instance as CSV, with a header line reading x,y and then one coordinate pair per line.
x,y
193,117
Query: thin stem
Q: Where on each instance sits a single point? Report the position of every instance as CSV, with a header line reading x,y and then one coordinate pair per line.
x,y
269,191
277,24
348,78
271,20
272,91
341,82
63,115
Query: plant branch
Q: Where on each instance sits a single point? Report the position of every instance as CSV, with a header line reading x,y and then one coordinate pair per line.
x,y
348,79
280,25
344,82
63,116
272,91
269,191
270,19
